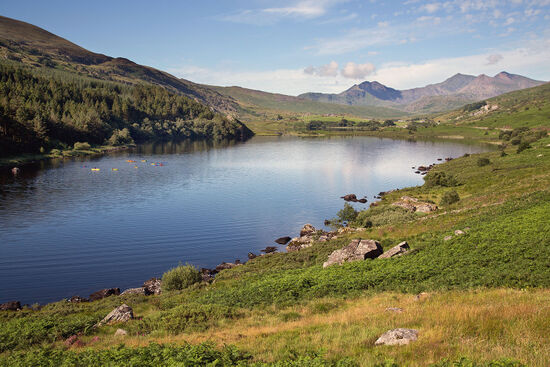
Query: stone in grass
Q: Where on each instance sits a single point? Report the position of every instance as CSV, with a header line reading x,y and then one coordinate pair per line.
x,y
447,238
459,232
356,250
399,250
398,336
394,309
122,313
121,332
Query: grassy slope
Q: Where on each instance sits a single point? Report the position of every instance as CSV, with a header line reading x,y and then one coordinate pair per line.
x,y
255,104
487,289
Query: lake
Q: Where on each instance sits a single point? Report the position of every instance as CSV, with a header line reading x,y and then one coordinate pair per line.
x,y
68,230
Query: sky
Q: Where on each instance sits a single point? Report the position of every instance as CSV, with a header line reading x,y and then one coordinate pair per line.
x,y
298,46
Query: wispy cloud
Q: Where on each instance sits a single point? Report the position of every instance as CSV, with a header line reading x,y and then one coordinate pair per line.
x,y
299,10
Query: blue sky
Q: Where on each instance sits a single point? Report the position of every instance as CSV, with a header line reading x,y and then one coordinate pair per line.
x,y
295,46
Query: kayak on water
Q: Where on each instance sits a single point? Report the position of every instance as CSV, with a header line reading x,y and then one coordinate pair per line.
x,y
95,169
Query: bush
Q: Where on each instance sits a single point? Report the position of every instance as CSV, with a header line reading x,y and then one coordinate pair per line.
x,y
449,197
180,277
523,146
121,137
483,162
81,146
440,179
347,214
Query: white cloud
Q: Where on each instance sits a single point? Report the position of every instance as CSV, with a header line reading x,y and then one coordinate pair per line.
x,y
530,60
509,20
493,59
328,70
431,8
303,9
357,71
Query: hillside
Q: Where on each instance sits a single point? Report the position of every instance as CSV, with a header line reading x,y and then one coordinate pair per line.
x,y
474,283
451,93
35,47
254,104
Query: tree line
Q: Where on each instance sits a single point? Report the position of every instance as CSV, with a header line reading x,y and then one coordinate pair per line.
x,y
41,111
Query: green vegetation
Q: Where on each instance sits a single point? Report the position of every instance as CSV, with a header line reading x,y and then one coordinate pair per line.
x,y
483,162
41,111
450,197
180,277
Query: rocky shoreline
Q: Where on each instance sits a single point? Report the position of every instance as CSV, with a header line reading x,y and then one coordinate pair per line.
x,y
358,249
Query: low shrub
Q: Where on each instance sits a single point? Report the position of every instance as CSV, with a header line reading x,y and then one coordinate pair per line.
x,y
449,197
82,146
180,277
347,214
433,179
523,146
483,162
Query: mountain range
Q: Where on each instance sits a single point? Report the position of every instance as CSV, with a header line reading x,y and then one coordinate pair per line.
x,y
451,93
34,47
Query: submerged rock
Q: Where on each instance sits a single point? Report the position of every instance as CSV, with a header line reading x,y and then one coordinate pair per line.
x,y
356,250
122,313
269,249
349,197
398,336
398,250
283,240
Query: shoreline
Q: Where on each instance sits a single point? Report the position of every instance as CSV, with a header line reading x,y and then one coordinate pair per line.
x,y
205,272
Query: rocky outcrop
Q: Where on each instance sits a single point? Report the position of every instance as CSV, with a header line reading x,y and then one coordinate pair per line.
x,y
415,205
152,286
252,256
307,230
130,291
104,293
269,249
207,275
353,198
78,299
283,240
398,250
397,337
299,243
356,250
10,306
122,313
225,266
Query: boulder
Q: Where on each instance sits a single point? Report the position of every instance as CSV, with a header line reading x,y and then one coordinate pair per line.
x,y
307,230
139,290
349,197
269,249
78,299
152,286
447,238
251,256
283,240
104,293
459,232
398,250
299,243
356,250
398,336
362,201
121,332
10,306
415,205
122,313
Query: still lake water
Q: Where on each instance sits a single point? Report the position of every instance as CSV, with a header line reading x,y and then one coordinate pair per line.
x,y
65,230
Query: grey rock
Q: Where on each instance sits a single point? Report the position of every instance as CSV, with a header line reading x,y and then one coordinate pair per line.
x,y
129,291
152,286
121,332
307,230
283,240
356,250
225,266
447,238
459,232
77,299
10,306
122,313
252,256
398,336
398,250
